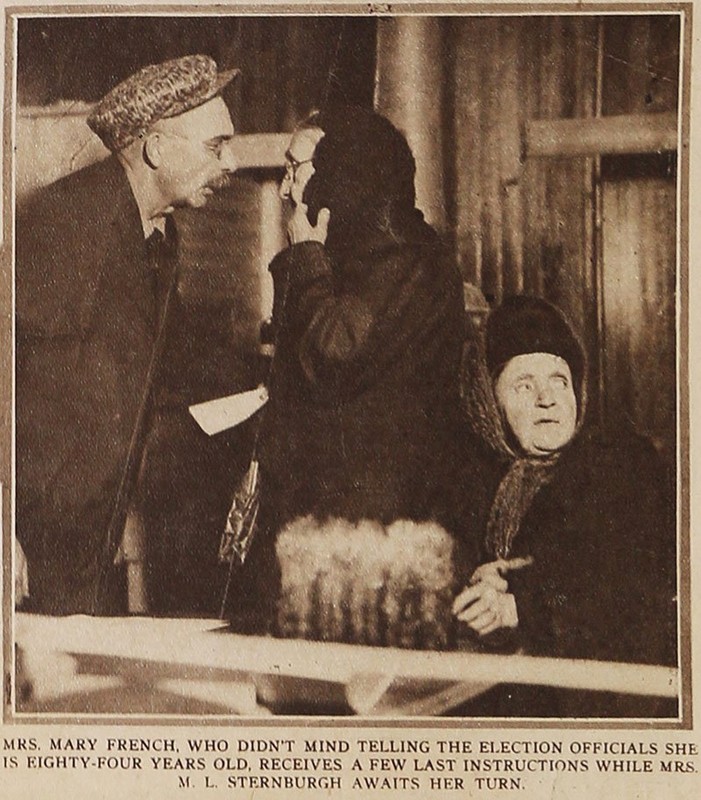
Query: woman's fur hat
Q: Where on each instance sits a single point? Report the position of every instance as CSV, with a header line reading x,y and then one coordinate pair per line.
x,y
524,324
363,168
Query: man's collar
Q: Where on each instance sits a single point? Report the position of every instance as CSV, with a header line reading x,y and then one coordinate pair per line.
x,y
152,225
148,224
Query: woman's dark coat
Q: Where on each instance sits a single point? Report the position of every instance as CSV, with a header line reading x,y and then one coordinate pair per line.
x,y
364,398
603,580
364,387
600,531
601,534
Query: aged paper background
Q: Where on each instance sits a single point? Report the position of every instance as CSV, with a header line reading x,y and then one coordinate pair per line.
x,y
641,776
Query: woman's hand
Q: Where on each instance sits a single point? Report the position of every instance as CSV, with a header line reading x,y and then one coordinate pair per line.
x,y
486,604
300,229
493,572
485,608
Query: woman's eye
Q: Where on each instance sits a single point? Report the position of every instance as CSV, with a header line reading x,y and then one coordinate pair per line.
x,y
559,382
523,387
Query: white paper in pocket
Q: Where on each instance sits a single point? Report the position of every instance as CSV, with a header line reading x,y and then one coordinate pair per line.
x,y
223,413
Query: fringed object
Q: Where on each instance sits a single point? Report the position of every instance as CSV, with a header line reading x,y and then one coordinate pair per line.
x,y
366,584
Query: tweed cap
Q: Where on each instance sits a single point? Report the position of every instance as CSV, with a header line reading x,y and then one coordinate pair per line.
x,y
156,92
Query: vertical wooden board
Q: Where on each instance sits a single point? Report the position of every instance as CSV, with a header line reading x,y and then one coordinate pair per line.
x,y
290,45
493,71
639,280
586,68
551,66
568,204
656,343
585,106
512,216
258,67
626,74
663,63
316,42
557,279
510,125
409,92
620,296
534,170
467,78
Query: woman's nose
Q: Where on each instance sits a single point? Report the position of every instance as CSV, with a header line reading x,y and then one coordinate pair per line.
x,y
546,396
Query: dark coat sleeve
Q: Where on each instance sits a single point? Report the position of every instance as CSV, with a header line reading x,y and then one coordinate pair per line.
x,y
345,336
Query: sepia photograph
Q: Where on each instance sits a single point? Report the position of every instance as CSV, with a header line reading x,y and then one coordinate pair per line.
x,y
346,383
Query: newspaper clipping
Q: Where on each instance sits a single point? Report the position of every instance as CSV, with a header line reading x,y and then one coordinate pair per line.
x,y
348,400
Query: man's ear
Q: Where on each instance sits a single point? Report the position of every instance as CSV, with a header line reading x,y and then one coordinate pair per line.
x,y
152,149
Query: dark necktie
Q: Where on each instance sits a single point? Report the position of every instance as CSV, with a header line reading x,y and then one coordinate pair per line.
x,y
155,244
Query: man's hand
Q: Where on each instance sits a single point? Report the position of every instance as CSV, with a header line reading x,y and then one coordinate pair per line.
x,y
301,230
21,575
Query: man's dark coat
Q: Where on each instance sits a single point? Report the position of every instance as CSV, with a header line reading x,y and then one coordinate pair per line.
x,y
86,311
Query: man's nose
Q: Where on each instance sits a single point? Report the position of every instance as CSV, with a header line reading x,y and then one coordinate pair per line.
x,y
227,159
285,188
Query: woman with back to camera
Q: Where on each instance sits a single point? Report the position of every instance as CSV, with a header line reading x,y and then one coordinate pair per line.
x,y
368,325
579,549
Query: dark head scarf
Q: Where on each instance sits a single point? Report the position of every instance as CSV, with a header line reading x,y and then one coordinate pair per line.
x,y
364,174
520,325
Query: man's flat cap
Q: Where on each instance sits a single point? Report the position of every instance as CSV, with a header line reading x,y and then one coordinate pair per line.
x,y
156,92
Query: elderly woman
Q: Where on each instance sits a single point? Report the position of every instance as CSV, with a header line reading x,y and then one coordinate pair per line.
x,y
368,326
579,547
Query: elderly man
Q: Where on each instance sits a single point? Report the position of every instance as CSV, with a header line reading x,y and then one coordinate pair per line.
x,y
96,272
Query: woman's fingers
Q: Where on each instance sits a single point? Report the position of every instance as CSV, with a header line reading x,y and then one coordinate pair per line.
x,y
485,608
495,580
468,595
475,600
491,626
478,618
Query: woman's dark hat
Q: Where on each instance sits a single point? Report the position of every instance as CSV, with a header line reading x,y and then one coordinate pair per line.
x,y
362,164
524,324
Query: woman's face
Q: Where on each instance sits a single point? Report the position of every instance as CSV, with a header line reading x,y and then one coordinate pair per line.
x,y
298,163
535,392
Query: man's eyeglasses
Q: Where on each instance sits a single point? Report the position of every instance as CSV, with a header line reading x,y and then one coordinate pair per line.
x,y
292,165
216,147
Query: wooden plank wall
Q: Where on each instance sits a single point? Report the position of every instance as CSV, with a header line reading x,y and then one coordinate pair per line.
x,y
639,232
521,225
534,225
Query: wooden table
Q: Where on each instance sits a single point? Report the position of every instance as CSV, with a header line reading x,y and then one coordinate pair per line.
x,y
146,666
